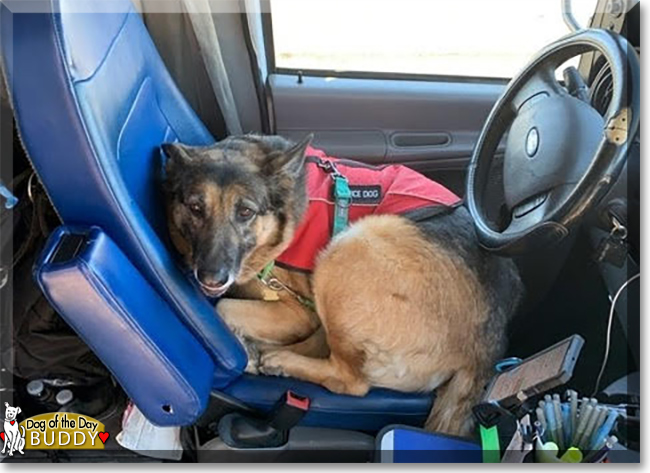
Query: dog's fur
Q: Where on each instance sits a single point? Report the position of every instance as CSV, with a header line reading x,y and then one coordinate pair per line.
x,y
411,306
13,439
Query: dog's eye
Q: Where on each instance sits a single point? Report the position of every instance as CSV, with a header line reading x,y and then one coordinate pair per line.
x,y
196,209
245,213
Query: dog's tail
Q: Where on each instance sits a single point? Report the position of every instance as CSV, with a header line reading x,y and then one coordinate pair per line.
x,y
22,427
452,408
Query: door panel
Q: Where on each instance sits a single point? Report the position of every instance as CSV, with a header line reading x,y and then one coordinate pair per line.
x,y
430,126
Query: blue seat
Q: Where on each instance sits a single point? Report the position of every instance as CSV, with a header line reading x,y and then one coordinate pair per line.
x,y
93,102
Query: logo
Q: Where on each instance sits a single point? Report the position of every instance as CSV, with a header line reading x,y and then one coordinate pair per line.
x,y
56,430
364,194
64,430
532,142
13,440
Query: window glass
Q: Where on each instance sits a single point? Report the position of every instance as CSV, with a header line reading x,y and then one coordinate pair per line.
x,y
478,38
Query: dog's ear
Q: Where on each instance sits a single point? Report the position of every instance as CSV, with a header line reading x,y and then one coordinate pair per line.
x,y
177,156
6,404
292,160
18,411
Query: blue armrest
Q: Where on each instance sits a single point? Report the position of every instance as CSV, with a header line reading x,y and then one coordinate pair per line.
x,y
94,287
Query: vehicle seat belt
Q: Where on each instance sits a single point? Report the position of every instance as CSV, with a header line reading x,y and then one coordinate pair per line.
x,y
205,30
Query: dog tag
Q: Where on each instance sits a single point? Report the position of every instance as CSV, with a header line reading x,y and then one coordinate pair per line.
x,y
269,295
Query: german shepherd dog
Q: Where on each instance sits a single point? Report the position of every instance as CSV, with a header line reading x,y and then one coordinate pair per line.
x,y
406,305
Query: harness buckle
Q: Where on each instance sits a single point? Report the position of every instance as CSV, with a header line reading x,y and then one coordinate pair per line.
x,y
342,200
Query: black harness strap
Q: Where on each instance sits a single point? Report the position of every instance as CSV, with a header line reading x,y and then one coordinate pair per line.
x,y
426,213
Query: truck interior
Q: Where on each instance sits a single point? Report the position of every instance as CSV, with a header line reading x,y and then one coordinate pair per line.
x,y
93,300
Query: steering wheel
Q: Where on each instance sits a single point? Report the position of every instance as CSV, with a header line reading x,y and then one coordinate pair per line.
x,y
561,156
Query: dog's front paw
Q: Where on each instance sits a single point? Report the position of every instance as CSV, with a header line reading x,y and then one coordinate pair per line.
x,y
224,309
272,363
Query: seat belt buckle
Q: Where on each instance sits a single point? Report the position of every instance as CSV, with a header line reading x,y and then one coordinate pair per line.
x,y
289,411
490,414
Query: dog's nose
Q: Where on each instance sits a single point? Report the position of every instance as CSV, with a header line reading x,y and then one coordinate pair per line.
x,y
213,279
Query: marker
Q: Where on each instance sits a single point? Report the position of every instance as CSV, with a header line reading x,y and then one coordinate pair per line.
x,y
572,455
573,399
548,398
584,442
541,404
585,413
546,453
566,421
605,429
550,422
602,415
557,410
599,455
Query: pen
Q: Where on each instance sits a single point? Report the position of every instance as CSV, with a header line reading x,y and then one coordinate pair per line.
x,y
539,430
541,418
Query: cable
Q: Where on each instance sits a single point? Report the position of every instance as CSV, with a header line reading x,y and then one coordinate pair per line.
x,y
609,330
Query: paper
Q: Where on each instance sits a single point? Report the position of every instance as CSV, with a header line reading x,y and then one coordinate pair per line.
x,y
145,438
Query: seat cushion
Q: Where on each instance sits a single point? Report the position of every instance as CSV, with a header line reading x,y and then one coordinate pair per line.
x,y
379,408
159,363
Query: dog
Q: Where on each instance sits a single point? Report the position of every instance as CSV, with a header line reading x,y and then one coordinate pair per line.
x,y
13,439
400,304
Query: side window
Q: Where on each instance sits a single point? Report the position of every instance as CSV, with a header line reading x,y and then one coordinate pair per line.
x,y
466,38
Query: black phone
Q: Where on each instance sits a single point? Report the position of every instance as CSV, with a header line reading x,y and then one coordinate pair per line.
x,y
537,374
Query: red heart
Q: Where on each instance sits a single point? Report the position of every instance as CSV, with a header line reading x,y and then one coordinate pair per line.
x,y
13,422
103,436
2,436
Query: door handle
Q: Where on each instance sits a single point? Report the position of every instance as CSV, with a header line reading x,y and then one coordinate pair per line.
x,y
411,140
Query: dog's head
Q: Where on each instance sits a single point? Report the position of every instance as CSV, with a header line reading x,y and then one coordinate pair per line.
x,y
11,412
233,207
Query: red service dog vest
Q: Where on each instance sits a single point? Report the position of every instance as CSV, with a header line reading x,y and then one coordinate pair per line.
x,y
390,189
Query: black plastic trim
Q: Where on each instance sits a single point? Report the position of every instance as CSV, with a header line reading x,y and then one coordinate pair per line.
x,y
389,76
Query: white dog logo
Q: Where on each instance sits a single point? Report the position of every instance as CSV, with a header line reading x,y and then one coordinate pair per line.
x,y
12,435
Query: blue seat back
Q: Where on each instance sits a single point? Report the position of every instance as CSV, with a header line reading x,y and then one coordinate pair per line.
x,y
93,102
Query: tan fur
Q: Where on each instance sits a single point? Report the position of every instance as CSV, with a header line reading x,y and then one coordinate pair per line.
x,y
391,315
271,244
